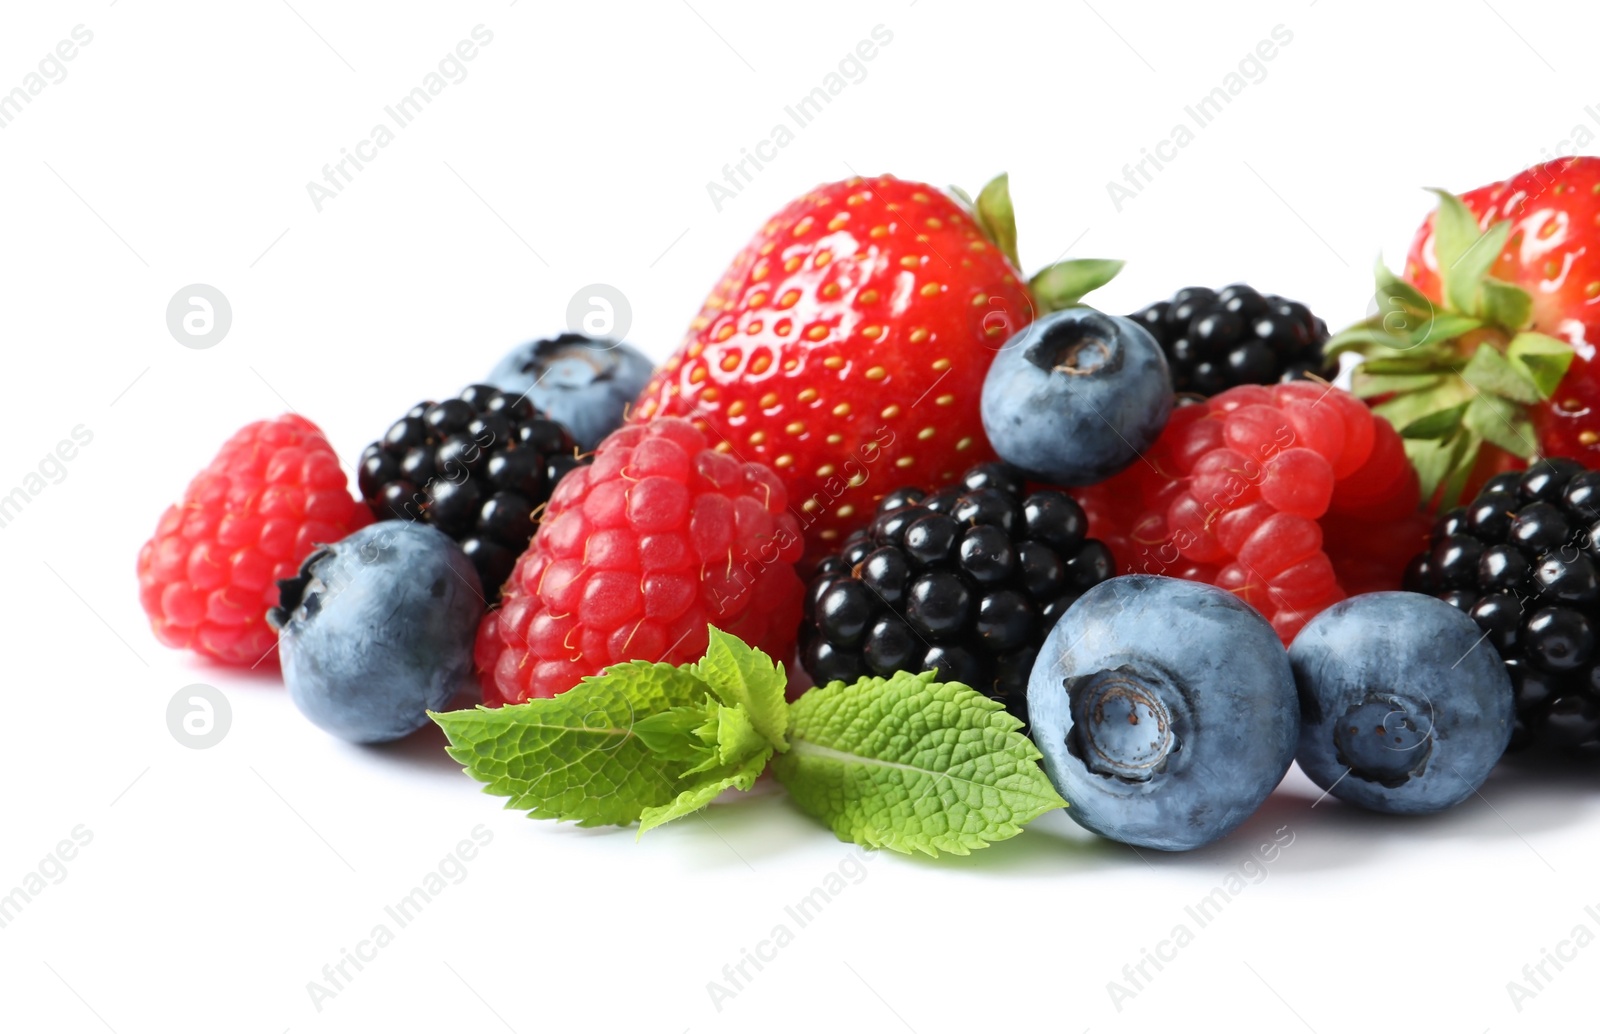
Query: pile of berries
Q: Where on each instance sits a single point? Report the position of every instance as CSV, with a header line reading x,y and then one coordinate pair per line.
x,y
966,581
1257,490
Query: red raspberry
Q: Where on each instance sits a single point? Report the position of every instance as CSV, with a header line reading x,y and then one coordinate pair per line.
x,y
635,555
209,574
1290,496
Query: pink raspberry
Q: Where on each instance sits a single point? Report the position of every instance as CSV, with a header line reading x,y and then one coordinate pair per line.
x,y
635,555
210,572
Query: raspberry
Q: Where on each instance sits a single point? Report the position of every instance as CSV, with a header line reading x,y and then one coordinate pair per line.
x,y
635,555
209,574
1290,496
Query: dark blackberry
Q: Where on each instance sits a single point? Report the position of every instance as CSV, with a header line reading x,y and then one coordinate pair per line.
x,y
478,467
1215,340
967,581
1523,559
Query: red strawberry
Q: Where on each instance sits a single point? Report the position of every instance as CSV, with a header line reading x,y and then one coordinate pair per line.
x,y
847,344
1553,252
1487,350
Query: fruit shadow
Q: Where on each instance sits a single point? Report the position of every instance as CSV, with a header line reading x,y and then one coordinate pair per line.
x,y
1520,800
423,749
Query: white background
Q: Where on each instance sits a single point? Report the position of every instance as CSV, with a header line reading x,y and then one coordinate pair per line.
x,y
577,150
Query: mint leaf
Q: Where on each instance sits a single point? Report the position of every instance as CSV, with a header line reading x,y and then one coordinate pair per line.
x,y
742,776
576,756
742,675
913,765
676,733
737,737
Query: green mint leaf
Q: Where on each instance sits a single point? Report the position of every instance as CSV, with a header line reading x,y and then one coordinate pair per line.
x,y
576,756
733,738
996,217
742,776
1544,358
913,765
1506,305
741,675
676,732
1490,371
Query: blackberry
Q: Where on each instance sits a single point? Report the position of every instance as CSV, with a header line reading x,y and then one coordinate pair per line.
x,y
478,467
1523,558
967,581
1215,340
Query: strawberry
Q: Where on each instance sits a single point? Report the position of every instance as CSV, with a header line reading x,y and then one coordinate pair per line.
x,y
1481,358
847,344
1553,252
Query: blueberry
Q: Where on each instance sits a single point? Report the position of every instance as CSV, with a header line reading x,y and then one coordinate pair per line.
x,y
585,383
1076,396
1165,710
1405,708
377,630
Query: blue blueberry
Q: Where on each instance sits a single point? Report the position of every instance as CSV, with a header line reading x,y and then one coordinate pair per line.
x,y
1076,396
378,629
1405,706
585,383
1165,711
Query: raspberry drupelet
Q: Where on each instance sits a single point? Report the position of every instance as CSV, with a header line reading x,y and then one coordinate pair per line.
x,y
636,554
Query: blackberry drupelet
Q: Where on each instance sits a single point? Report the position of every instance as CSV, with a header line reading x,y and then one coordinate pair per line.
x,y
967,581
477,467
1523,558
1215,340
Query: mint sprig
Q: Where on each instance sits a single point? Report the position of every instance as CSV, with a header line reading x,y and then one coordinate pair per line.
x,y
905,763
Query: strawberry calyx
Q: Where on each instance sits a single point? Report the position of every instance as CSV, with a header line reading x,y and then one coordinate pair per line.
x,y
1455,375
1060,285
